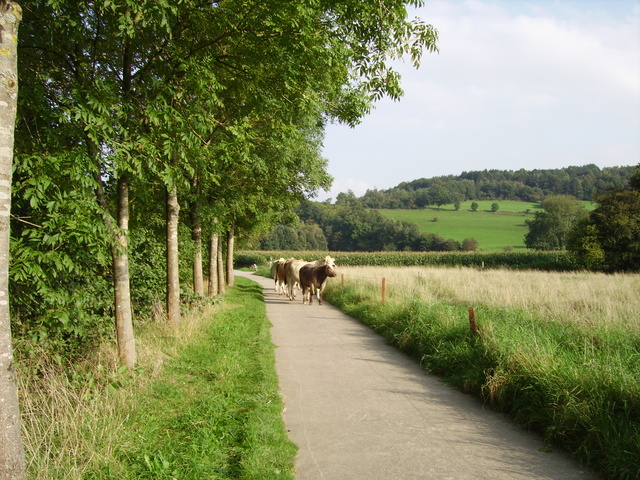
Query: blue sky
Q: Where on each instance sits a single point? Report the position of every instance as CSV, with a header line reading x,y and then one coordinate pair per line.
x,y
516,84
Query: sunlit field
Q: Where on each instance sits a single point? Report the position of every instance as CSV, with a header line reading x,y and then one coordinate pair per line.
x,y
504,230
586,299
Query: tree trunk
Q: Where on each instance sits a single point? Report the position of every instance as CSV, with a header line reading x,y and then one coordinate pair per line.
x,y
221,282
122,288
213,265
120,257
230,239
12,459
196,235
173,273
120,252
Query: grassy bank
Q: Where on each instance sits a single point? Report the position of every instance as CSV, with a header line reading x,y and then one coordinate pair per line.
x,y
558,351
204,404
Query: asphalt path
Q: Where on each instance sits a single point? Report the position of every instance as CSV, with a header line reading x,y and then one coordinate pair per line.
x,y
359,409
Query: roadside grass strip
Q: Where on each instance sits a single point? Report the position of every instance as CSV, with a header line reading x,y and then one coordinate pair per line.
x,y
578,385
215,410
204,405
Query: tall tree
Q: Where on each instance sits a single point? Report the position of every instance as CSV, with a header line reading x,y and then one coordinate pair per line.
x,y
12,459
85,60
196,236
230,249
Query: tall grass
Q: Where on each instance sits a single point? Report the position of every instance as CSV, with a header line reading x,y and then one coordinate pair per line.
x,y
581,298
204,403
559,351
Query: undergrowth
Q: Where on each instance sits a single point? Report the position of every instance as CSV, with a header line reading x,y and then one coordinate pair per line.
x,y
203,403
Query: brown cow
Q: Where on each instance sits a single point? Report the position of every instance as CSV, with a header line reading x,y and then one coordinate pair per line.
x,y
313,276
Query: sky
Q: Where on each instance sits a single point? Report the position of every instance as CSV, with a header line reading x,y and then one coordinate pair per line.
x,y
531,84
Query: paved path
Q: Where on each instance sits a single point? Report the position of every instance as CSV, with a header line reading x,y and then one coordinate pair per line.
x,y
359,409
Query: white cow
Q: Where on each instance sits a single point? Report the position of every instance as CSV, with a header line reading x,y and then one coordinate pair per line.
x,y
292,275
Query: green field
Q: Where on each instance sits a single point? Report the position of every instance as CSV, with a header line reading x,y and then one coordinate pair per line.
x,y
502,230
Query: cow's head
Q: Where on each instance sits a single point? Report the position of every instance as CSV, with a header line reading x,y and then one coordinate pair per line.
x,y
330,266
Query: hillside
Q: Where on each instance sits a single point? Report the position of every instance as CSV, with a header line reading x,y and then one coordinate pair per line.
x,y
522,185
402,218
503,230
494,231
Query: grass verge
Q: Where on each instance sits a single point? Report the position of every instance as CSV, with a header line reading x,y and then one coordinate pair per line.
x,y
203,405
576,385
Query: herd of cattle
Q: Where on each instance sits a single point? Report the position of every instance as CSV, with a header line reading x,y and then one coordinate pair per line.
x,y
310,276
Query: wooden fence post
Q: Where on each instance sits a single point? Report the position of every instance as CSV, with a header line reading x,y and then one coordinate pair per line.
x,y
384,287
342,276
472,322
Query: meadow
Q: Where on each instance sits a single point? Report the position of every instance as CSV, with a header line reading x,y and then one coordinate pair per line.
x,y
494,231
560,352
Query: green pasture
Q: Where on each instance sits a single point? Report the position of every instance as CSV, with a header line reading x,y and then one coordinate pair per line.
x,y
493,231
502,230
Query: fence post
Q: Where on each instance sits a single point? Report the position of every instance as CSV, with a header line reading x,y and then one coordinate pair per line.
x,y
384,287
342,276
472,322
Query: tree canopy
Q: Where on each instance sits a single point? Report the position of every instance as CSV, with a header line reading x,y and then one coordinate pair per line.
x,y
213,110
550,228
610,237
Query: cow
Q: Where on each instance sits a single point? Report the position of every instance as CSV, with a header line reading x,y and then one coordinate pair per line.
x,y
313,277
277,272
291,273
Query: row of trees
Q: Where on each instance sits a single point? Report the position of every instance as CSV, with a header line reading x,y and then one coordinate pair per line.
x,y
525,185
135,112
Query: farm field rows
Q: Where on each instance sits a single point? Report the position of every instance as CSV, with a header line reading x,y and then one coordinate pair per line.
x,y
560,352
502,230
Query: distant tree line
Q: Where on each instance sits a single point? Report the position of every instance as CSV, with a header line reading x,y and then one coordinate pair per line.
x,y
524,185
606,239
350,227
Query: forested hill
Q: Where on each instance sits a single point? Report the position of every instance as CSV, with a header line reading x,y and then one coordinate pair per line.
x,y
526,185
